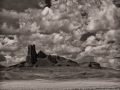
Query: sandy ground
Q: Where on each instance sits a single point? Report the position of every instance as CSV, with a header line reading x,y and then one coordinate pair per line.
x,y
60,85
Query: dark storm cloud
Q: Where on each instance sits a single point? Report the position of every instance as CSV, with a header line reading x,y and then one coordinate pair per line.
x,y
2,58
10,37
86,35
11,31
9,20
48,3
116,2
18,5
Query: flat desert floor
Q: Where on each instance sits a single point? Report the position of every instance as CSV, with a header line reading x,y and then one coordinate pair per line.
x,y
41,84
59,78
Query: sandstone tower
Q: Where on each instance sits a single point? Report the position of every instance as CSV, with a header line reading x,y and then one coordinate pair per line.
x,y
31,58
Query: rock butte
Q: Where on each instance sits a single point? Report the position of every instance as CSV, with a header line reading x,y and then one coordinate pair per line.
x,y
39,59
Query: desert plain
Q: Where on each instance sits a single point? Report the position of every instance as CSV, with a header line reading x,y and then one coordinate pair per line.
x,y
59,78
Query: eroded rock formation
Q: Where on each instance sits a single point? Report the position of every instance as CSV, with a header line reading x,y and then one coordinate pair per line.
x,y
31,58
94,65
41,55
42,59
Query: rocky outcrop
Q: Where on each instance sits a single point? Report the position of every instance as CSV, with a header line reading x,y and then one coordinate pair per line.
x,y
53,59
42,59
41,55
72,63
31,58
95,65
84,64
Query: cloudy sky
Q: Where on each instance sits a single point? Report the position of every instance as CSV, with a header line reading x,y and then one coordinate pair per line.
x,y
69,28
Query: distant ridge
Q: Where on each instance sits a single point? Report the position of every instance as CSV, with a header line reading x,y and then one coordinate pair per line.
x,y
43,60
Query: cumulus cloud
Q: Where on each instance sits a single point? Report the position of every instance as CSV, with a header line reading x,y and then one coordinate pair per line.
x,y
8,48
58,39
104,19
13,14
113,35
8,41
91,40
70,28
108,62
8,45
28,29
86,35
12,60
66,49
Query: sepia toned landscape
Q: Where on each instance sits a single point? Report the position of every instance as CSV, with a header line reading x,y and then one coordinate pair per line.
x,y
59,45
60,78
57,73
